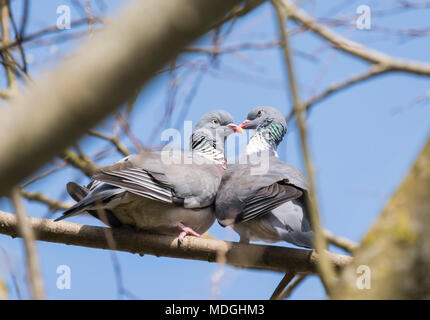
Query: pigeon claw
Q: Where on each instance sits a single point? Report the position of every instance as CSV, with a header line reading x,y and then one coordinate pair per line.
x,y
186,231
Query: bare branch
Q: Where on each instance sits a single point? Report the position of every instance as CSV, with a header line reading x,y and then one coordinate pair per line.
x,y
373,71
43,32
43,175
26,232
164,26
238,12
354,48
326,272
113,140
86,166
216,50
12,89
340,242
281,286
250,256
12,272
287,292
42,198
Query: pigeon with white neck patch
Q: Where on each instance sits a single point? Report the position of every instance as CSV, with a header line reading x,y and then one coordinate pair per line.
x,y
267,206
162,191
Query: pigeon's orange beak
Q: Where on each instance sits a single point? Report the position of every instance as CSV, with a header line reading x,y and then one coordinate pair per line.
x,y
238,129
244,124
235,128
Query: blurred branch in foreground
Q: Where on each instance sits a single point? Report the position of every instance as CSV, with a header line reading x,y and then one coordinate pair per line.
x,y
25,230
396,250
164,26
3,290
326,272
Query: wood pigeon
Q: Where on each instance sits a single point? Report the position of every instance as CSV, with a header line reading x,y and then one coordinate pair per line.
x,y
265,205
163,191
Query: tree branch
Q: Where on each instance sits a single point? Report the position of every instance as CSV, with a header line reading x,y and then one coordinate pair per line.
x,y
340,242
87,167
354,48
250,256
113,140
281,286
12,89
326,272
27,233
395,252
373,71
127,53
238,12
287,292
40,197
47,31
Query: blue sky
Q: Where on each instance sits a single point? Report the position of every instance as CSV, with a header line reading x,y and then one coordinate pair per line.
x,y
363,140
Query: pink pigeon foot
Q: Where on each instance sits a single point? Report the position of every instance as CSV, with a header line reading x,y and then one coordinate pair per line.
x,y
185,231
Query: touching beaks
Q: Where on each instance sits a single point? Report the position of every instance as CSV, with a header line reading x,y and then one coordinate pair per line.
x,y
235,128
244,124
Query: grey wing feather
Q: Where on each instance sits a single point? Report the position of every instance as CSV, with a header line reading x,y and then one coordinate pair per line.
x,y
257,194
292,174
78,193
137,181
266,199
146,175
100,195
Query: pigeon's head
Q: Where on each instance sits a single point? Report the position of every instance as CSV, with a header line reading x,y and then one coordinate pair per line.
x,y
263,117
215,126
219,122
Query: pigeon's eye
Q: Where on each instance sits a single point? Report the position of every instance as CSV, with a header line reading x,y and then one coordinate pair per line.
x,y
259,113
214,121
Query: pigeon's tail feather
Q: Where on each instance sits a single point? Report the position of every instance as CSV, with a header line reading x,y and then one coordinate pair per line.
x,y
97,198
76,191
76,209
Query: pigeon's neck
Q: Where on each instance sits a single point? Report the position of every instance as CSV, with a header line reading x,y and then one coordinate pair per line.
x,y
266,139
208,148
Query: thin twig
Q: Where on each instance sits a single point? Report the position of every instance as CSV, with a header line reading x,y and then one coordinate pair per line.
x,y
85,165
373,71
12,273
113,140
17,34
90,17
26,231
245,46
12,89
326,272
44,32
43,175
356,49
238,12
42,198
115,261
287,292
340,242
4,295
281,286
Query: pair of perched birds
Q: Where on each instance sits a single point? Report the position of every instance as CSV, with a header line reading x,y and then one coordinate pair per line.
x,y
149,193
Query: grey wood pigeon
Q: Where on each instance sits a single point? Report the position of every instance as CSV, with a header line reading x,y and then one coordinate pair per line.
x,y
161,191
265,206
